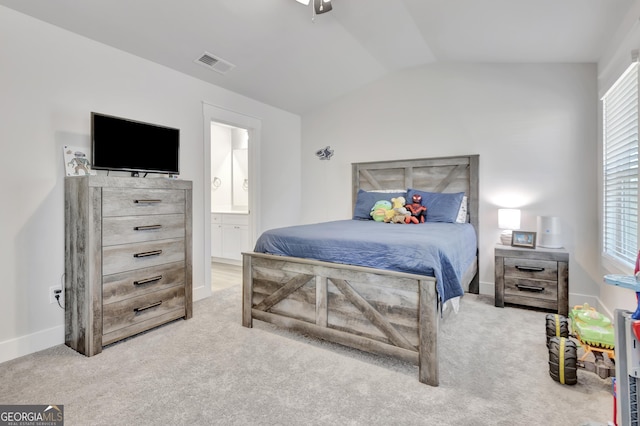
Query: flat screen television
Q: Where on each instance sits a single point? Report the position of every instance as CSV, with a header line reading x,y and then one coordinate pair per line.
x,y
133,146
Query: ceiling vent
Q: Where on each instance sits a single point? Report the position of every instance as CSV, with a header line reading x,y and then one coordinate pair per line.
x,y
214,63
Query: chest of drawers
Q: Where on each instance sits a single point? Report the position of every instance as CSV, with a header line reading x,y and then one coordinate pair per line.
x,y
127,257
532,277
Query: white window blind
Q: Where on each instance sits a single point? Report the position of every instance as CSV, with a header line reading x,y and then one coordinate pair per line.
x,y
620,167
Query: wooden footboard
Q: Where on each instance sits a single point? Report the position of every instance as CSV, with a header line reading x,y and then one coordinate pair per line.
x,y
382,312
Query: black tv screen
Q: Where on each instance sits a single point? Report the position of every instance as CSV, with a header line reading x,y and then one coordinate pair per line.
x,y
133,146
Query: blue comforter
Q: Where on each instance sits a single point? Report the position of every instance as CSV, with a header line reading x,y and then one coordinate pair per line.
x,y
440,250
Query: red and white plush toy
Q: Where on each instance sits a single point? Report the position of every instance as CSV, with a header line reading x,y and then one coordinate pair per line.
x,y
417,210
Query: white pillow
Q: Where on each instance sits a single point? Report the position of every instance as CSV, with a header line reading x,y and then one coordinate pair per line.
x,y
462,213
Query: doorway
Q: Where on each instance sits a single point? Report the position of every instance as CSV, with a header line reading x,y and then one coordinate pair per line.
x,y
229,203
231,193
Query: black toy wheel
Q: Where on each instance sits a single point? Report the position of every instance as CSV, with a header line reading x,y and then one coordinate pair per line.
x,y
557,325
563,360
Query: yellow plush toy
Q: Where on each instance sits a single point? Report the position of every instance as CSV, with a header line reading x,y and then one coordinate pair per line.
x,y
400,212
388,215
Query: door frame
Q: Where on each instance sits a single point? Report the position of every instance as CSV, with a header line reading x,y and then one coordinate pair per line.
x,y
214,113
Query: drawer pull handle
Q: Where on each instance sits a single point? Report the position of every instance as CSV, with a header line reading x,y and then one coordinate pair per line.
x,y
148,253
144,308
147,280
146,227
530,288
529,268
147,201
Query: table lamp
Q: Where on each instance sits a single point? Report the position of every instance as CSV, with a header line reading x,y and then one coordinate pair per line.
x,y
508,220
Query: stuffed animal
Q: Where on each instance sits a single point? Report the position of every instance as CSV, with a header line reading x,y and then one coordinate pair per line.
x,y
401,214
400,218
388,215
418,211
380,209
398,205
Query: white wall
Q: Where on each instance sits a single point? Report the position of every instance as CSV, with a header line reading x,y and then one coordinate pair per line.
x,y
532,125
50,81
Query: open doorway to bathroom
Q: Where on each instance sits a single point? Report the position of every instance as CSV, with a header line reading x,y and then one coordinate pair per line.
x,y
231,195
229,203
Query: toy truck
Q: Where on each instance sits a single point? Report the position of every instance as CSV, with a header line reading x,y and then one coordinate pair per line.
x,y
587,333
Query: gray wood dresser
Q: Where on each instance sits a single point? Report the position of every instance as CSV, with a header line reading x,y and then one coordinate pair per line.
x,y
128,244
532,277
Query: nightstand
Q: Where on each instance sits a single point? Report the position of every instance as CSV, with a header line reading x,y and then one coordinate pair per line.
x,y
532,277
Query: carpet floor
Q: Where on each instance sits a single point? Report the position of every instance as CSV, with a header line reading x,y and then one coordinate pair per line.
x,y
210,370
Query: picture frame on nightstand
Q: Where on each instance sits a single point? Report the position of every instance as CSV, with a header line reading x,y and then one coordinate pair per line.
x,y
523,239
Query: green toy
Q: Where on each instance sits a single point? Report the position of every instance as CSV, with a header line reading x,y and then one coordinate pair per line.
x,y
380,209
595,336
591,327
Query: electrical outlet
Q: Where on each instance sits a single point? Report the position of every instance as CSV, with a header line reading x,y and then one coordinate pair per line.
x,y
52,293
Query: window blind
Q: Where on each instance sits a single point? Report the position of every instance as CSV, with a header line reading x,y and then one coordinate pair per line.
x,y
620,168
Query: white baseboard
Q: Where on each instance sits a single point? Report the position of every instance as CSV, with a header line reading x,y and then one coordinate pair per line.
x,y
201,292
487,288
25,345
593,301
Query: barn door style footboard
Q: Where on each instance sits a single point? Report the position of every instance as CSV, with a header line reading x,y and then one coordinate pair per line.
x,y
382,312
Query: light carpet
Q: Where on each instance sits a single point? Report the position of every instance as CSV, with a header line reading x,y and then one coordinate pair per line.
x,y
210,370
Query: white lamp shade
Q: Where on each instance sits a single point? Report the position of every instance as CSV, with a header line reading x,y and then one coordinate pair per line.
x,y
509,218
305,2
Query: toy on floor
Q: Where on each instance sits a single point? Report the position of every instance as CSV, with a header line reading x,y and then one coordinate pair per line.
x,y
627,382
594,335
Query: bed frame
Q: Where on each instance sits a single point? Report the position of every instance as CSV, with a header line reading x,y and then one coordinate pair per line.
x,y
383,312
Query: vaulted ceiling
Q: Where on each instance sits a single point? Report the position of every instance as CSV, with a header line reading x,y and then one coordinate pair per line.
x,y
283,58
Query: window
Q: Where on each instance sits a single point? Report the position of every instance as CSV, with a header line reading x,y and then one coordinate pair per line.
x,y
620,169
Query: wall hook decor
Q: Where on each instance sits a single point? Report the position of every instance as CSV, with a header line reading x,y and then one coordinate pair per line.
x,y
325,153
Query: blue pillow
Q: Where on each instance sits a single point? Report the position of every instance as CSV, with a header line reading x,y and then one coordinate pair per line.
x,y
366,199
441,206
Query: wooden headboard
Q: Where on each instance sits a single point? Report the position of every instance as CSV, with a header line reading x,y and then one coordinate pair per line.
x,y
444,174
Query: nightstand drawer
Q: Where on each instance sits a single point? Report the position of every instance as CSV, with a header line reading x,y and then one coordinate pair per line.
x,y
535,289
531,269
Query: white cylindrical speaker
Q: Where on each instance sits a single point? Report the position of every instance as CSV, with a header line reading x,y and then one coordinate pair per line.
x,y
549,232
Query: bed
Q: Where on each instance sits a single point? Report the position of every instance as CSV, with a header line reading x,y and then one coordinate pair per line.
x,y
374,306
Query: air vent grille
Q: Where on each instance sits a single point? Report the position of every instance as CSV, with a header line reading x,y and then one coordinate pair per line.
x,y
214,63
208,60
